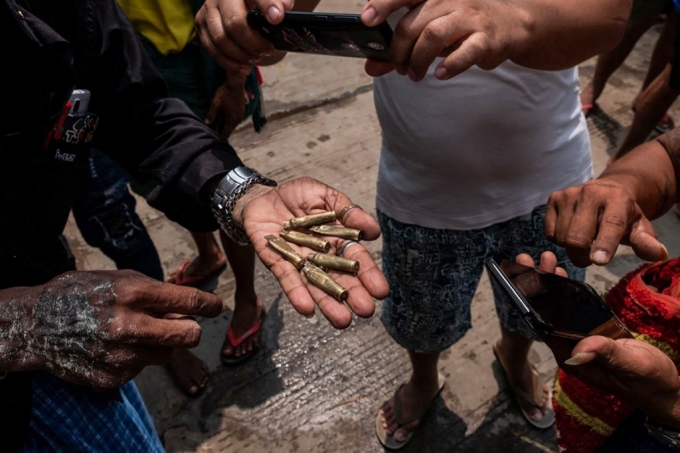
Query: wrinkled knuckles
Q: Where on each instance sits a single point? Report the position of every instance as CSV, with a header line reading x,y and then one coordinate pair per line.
x,y
577,241
192,336
192,300
616,221
435,32
235,26
407,29
554,198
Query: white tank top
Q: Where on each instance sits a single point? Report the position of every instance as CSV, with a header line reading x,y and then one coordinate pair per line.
x,y
481,148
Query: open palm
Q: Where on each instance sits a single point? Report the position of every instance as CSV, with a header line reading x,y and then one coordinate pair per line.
x,y
265,214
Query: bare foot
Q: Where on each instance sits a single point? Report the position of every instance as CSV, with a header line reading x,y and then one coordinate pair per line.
x,y
414,403
200,268
522,376
247,312
190,373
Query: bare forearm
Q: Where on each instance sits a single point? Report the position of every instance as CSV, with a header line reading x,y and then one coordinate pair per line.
x,y
671,143
649,174
560,34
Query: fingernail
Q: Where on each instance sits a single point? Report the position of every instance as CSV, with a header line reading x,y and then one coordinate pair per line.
x,y
273,12
312,318
369,15
245,70
600,257
441,72
664,252
412,75
580,358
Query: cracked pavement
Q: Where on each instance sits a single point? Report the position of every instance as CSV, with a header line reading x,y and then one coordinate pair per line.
x,y
312,388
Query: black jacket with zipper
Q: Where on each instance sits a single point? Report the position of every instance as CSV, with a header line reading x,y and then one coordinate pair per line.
x,y
50,48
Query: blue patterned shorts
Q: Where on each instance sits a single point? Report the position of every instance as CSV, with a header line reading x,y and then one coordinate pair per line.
x,y
433,275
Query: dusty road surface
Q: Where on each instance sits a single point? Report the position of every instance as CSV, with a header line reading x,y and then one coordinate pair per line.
x,y
315,389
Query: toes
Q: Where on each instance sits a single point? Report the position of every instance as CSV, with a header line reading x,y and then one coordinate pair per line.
x,y
389,415
401,434
383,419
536,414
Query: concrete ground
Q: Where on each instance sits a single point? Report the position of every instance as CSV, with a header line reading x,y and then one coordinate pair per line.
x,y
312,388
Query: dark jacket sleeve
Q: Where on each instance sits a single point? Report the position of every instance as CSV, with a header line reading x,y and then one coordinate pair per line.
x,y
154,137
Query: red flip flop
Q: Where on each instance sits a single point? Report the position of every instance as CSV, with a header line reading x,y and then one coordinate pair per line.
x,y
183,280
666,124
235,342
587,108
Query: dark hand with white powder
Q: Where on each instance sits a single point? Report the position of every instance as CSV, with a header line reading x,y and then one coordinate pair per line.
x,y
98,329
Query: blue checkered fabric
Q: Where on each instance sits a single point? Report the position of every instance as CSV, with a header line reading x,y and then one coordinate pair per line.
x,y
433,275
73,419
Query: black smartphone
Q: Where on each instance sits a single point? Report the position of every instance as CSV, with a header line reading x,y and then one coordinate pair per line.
x,y
342,35
555,305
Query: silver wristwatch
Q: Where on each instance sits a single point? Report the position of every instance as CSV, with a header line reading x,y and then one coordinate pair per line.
x,y
666,436
230,188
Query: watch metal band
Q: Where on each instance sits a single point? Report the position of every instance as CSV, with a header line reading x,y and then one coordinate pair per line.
x,y
232,187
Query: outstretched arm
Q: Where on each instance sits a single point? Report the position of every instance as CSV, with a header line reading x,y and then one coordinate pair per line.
x,y
225,34
539,34
591,220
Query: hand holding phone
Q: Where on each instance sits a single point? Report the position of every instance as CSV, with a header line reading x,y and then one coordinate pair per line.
x,y
343,35
552,304
561,311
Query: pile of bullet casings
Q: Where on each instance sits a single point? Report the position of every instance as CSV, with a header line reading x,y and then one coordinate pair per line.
x,y
315,265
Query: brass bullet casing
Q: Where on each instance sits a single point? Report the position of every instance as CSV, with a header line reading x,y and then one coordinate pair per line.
x,y
306,240
337,263
322,280
286,251
310,220
338,232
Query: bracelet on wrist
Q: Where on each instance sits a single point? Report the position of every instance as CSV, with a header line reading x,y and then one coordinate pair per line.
x,y
230,188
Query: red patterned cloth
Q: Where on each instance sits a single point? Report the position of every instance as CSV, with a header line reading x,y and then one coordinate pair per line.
x,y
647,301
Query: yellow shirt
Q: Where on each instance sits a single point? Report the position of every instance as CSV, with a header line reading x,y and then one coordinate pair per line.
x,y
168,24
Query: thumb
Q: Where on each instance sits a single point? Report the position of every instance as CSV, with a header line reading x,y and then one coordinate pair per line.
x,y
274,10
376,68
595,349
644,242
